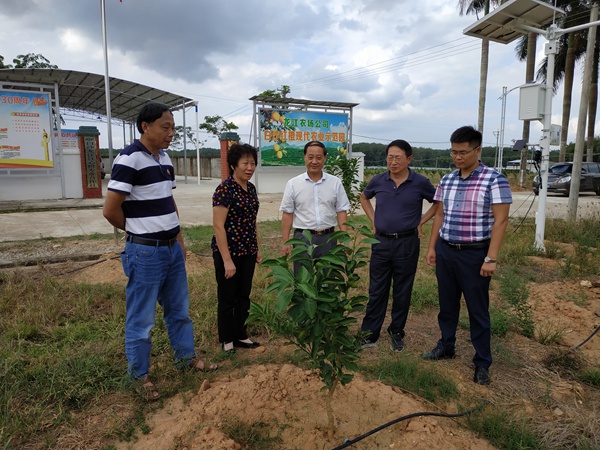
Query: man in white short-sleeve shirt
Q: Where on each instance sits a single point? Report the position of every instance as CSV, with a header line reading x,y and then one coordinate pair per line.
x,y
314,201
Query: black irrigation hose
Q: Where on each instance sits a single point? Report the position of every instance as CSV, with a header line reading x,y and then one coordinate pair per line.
x,y
410,416
527,213
589,337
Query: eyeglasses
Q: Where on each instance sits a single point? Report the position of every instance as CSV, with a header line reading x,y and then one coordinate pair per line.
x,y
462,154
394,158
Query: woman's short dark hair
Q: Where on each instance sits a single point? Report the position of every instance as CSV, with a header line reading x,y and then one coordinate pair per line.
x,y
236,152
467,134
316,144
402,144
149,113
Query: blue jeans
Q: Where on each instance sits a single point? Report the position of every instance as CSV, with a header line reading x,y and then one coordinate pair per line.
x,y
156,273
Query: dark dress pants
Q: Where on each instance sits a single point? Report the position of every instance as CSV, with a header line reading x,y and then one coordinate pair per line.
x,y
392,260
322,249
233,295
457,273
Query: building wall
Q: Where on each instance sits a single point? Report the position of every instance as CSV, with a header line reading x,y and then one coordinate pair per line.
x,y
30,186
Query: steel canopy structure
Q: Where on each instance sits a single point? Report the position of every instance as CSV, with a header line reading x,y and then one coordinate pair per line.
x,y
507,22
84,92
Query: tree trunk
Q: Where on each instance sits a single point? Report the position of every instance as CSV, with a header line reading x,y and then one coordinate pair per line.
x,y
568,91
529,74
593,105
330,418
485,50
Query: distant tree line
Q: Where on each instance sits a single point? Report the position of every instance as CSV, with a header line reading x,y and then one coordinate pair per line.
x,y
435,158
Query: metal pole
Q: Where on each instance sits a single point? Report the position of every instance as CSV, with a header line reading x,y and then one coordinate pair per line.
x,y
540,218
502,124
184,145
107,89
497,134
197,142
61,158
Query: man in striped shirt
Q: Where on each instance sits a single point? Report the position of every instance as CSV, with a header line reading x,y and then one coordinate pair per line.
x,y
140,201
466,237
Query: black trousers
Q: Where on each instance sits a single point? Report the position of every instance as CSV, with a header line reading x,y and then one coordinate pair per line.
x,y
457,272
392,260
233,295
322,249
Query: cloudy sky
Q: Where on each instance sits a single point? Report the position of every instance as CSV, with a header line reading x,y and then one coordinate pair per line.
x,y
407,63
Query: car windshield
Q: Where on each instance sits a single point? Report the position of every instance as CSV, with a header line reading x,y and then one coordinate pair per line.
x,y
560,169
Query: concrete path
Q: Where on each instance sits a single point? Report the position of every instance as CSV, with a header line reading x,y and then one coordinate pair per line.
x,y
23,220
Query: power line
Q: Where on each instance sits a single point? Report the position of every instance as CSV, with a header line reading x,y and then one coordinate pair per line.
x,y
367,71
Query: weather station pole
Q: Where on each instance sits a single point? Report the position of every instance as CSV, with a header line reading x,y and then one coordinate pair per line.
x,y
540,217
507,23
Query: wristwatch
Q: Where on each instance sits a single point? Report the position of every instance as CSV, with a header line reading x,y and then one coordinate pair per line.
x,y
488,260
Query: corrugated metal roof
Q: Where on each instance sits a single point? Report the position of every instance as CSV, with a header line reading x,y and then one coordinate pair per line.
x,y
84,92
300,102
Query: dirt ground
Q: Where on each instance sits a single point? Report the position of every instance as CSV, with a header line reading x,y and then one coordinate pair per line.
x,y
290,397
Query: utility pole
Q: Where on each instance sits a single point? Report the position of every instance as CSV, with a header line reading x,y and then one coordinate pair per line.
x,y
497,134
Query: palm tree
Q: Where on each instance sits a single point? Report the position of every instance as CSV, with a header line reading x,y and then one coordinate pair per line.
x,y
475,7
593,104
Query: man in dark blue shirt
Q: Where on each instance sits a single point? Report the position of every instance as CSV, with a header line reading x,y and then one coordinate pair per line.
x,y
399,195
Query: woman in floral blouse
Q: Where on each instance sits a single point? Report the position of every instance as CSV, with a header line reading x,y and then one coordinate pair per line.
x,y
235,246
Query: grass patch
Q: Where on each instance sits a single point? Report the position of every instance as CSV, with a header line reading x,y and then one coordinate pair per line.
x,y
410,374
590,376
567,363
549,333
424,293
503,429
255,436
513,288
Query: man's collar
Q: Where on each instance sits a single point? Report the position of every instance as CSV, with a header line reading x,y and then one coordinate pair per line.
x,y
323,176
142,147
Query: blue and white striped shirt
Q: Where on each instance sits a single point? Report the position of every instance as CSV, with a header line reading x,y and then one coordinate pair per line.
x,y
148,182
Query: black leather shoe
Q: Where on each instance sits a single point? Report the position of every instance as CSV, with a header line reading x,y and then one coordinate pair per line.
x,y
482,376
438,353
240,344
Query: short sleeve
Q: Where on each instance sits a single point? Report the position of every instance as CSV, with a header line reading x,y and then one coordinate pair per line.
x,y
287,201
222,196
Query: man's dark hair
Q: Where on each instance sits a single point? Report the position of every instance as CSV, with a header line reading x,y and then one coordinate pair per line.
x,y
149,113
402,144
467,134
236,152
316,144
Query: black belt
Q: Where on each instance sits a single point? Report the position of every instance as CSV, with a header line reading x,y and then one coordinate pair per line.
x,y
397,235
318,232
467,245
152,242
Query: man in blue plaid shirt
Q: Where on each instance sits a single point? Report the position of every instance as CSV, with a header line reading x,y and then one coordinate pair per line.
x,y
465,241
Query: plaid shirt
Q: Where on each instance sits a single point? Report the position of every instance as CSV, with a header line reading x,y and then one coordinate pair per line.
x,y
468,203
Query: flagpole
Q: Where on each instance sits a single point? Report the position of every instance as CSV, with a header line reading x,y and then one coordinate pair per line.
x,y
107,89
